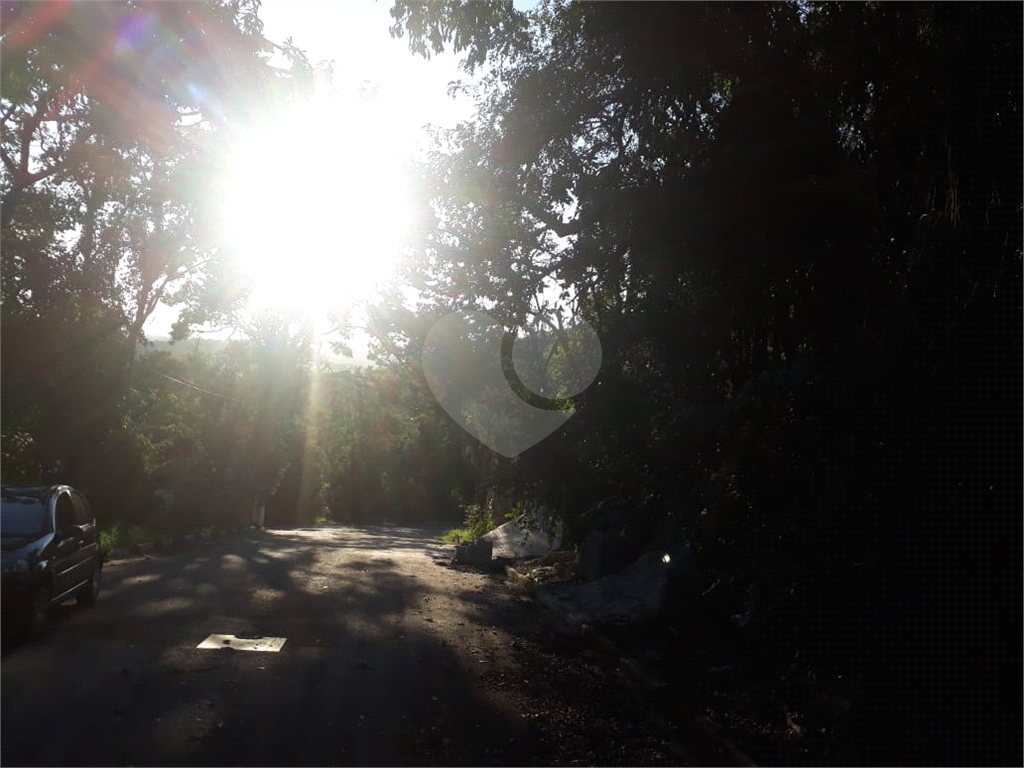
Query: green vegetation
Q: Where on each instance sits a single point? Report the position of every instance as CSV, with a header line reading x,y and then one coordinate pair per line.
x,y
795,227
119,535
477,522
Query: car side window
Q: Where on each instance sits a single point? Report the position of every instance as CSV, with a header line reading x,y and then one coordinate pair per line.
x,y
83,514
65,512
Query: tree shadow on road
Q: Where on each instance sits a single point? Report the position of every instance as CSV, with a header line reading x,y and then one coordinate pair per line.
x,y
352,684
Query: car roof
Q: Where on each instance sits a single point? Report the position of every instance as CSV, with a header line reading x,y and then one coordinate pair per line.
x,y
29,491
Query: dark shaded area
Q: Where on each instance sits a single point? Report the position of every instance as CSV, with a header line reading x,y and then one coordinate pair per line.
x,y
796,230
798,235
356,683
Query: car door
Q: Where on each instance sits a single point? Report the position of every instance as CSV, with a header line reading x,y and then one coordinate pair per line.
x,y
90,535
68,559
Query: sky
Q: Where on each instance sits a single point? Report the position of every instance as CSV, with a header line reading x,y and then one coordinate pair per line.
x,y
354,35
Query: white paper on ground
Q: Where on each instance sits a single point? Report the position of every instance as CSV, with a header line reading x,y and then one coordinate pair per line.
x,y
268,644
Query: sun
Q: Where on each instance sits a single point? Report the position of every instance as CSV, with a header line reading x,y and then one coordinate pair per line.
x,y
316,205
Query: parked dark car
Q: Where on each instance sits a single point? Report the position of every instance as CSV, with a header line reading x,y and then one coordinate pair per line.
x,y
49,551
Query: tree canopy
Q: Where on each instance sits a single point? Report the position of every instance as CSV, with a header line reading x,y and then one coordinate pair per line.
x,y
795,228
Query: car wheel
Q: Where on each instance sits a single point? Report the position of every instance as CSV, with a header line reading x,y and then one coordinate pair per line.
x,y
40,612
91,590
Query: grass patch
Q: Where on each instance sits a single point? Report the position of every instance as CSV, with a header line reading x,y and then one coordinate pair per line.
x,y
458,536
476,523
120,535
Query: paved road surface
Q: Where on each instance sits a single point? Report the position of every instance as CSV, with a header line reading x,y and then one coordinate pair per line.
x,y
390,658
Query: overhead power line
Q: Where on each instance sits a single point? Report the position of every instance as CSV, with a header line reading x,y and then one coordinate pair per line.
x,y
190,385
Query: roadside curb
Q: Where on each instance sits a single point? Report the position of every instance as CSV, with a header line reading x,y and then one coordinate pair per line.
x,y
171,544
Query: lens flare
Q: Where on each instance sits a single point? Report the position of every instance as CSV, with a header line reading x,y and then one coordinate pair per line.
x,y
316,205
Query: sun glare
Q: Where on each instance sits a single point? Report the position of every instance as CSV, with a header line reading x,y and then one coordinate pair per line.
x,y
316,204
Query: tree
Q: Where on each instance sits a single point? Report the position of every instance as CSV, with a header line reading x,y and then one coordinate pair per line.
x,y
115,120
116,116
796,228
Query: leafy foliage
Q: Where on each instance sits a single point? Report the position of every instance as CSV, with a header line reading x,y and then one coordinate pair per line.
x,y
114,122
477,522
795,228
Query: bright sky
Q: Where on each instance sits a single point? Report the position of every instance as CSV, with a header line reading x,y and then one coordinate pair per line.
x,y
411,91
355,36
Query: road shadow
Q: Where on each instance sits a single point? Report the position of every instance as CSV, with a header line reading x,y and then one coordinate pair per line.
x,y
353,684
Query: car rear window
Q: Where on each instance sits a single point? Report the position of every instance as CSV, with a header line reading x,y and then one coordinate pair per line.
x,y
23,516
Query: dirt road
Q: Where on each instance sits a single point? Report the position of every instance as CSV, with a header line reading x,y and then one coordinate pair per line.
x,y
391,657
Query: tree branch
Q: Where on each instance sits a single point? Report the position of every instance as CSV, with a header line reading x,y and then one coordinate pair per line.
x,y
560,228
28,127
8,206
8,163
28,179
8,112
